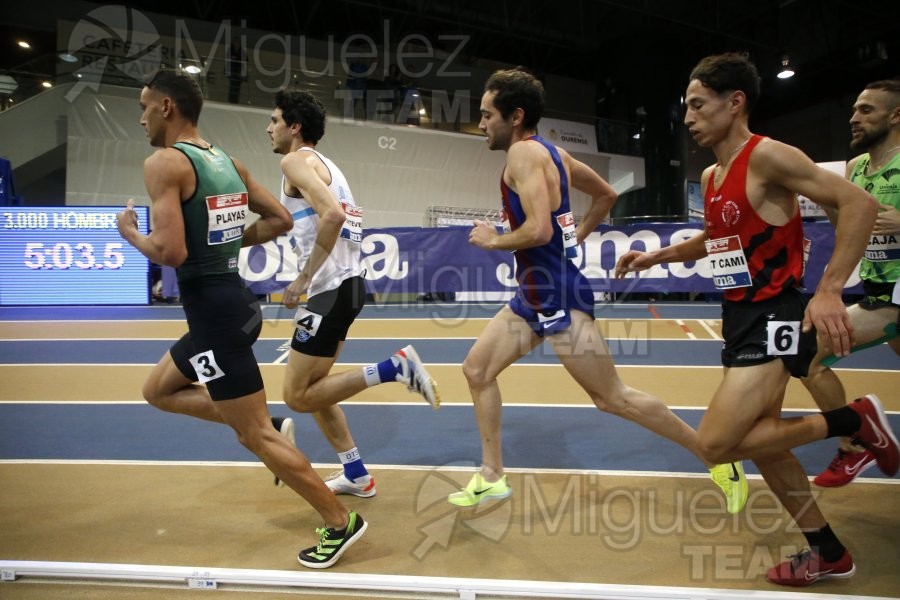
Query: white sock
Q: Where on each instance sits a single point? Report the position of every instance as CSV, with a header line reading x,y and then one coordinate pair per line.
x,y
370,372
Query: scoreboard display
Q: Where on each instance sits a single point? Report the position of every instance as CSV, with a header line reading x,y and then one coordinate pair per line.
x,y
70,255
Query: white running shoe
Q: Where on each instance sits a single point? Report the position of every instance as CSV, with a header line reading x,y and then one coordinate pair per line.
x,y
284,426
364,487
413,374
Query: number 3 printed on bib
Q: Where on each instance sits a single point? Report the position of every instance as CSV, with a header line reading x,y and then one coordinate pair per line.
x,y
783,337
205,366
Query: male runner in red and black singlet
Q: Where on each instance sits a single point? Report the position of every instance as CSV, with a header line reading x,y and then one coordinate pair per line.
x,y
753,239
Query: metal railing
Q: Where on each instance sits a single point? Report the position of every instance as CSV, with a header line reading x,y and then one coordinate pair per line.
x,y
445,216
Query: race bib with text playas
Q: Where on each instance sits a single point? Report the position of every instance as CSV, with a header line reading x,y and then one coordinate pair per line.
x,y
227,217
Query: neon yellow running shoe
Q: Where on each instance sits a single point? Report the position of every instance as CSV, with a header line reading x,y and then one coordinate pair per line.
x,y
479,490
730,477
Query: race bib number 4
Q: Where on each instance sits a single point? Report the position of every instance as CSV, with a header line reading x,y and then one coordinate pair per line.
x,y
307,322
227,217
352,229
783,338
728,263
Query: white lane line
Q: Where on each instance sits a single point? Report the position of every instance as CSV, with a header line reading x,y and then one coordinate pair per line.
x,y
712,332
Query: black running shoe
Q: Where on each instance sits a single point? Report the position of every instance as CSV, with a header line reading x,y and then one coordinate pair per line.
x,y
332,543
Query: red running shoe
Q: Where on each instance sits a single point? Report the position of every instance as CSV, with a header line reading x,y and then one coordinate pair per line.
x,y
844,468
807,567
876,435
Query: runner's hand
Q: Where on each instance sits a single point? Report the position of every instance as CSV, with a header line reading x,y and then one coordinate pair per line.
x,y
826,311
887,221
632,262
297,288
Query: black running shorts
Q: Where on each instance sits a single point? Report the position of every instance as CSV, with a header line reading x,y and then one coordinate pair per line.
x,y
224,320
323,323
877,295
760,332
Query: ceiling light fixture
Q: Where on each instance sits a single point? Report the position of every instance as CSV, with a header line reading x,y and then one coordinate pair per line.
x,y
68,57
786,71
8,84
24,44
192,69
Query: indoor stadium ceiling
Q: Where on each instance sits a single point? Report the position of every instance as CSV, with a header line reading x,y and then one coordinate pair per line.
x,y
641,50
639,47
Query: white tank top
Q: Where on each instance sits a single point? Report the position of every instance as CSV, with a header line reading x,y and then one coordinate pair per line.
x,y
343,262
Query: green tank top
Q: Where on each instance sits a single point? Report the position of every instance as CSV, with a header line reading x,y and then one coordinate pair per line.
x,y
215,216
881,263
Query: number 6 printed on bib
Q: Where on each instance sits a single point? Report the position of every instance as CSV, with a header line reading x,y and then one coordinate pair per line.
x,y
206,367
783,338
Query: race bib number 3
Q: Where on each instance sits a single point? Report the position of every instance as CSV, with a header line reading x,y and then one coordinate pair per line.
x,y
783,338
352,229
728,263
227,217
205,366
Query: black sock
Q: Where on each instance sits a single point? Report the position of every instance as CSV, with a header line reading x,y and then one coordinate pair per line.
x,y
842,421
824,543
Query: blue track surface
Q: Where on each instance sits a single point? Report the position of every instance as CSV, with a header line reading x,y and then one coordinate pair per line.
x,y
534,437
562,437
372,311
356,351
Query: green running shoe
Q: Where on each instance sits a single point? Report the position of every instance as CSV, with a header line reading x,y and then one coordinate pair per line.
x,y
730,477
479,490
332,543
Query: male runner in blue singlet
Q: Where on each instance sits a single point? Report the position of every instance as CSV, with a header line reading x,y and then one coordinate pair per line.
x,y
554,301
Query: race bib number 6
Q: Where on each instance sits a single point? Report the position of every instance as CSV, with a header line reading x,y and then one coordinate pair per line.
x,y
783,338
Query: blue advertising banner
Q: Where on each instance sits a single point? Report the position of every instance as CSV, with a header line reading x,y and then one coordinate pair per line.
x,y
412,260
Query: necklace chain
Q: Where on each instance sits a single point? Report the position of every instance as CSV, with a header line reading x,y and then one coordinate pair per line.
x,y
194,141
738,148
872,168
888,151
720,168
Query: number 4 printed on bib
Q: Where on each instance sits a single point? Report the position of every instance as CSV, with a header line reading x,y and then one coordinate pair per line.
x,y
206,367
307,321
783,338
